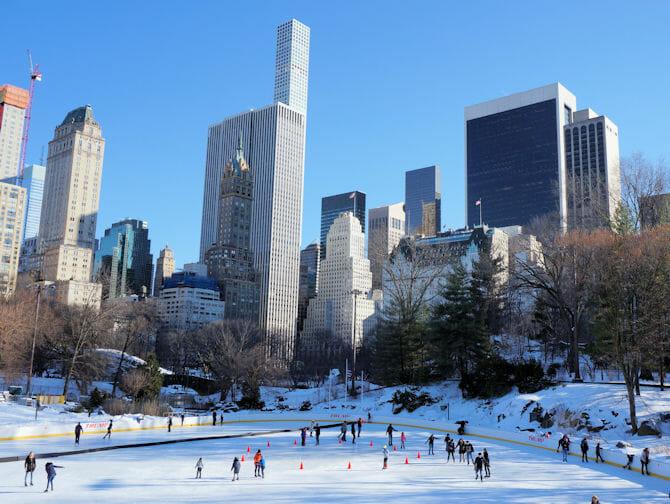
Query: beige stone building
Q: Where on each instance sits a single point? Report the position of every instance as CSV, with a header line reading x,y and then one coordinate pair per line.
x,y
386,227
70,207
164,268
12,207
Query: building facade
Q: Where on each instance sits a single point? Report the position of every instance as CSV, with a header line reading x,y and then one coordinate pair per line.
x,y
333,206
344,271
514,157
164,268
230,261
386,226
292,65
654,210
33,182
13,104
124,259
423,201
310,258
274,143
592,170
12,207
70,207
188,301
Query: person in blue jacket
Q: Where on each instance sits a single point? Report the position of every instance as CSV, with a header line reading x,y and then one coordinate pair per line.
x,y
50,468
262,464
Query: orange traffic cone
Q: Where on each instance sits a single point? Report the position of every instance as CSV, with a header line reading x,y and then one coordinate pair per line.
x,y
418,455
248,449
349,467
394,448
242,458
406,461
370,443
295,441
301,466
268,444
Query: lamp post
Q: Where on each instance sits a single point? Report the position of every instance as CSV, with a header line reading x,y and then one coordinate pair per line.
x,y
39,287
356,293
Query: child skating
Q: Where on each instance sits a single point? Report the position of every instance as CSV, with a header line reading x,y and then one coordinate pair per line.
x,y
198,468
236,469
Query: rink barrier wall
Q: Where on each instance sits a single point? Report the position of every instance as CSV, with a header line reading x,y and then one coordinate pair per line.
x,y
614,458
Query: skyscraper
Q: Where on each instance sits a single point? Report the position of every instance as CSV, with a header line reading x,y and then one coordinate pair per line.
x,y
230,261
124,259
70,207
592,169
309,279
292,65
13,104
33,182
386,226
514,156
164,268
423,201
344,279
333,206
12,206
274,141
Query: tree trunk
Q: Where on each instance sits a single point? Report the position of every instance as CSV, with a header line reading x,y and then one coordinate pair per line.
x,y
631,406
661,370
637,383
117,376
575,348
69,373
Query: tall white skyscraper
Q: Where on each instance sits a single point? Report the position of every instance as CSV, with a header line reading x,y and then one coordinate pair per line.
x,y
33,182
292,65
13,103
273,139
70,206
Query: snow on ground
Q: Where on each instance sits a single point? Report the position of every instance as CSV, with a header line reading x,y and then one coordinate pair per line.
x,y
166,473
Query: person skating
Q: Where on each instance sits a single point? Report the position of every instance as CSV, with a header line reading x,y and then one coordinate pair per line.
x,y
50,468
359,423
353,433
303,436
630,460
403,438
236,469
262,466
469,452
311,428
343,431
385,452
214,417
198,468
644,461
595,500
447,439
479,465
599,455
564,446
389,431
487,463
369,417
30,466
170,424
257,464
584,445
77,433
109,430
461,450
431,444
451,451
317,432
221,419
182,419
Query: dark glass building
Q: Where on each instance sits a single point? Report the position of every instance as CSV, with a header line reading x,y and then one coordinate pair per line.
x,y
123,259
333,206
309,276
514,156
423,201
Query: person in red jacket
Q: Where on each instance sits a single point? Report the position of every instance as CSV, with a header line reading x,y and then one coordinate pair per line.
x,y
257,464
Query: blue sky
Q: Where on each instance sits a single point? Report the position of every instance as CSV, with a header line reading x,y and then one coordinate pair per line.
x,y
388,84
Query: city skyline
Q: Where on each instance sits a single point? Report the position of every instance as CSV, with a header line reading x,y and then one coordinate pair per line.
x,y
399,139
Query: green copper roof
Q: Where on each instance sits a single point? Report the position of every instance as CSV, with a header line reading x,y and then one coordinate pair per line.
x,y
81,114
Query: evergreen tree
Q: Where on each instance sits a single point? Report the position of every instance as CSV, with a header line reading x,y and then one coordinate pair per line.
x,y
155,379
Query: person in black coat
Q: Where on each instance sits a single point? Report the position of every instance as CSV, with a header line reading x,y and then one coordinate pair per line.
x,y
317,432
30,466
77,433
479,466
487,463
109,431
584,445
599,454
169,424
214,417
353,432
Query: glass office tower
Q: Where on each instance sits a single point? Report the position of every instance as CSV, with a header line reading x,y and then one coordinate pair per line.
x,y
423,198
333,206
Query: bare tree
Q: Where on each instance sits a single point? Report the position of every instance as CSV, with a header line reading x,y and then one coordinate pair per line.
x,y
641,182
134,381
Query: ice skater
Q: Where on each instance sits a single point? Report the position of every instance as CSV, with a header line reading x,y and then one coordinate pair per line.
x,y
451,451
109,430
30,466
385,452
389,432
213,417
311,427
303,436
236,469
599,455
50,468
170,423
630,460
353,433
479,465
182,419
584,445
403,438
343,431
431,444
487,463
469,452
564,446
257,464
461,450
644,461
198,468
317,432
77,433
262,466
359,423
595,500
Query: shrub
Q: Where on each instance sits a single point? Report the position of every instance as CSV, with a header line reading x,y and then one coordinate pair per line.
x,y
529,376
410,401
306,406
495,377
552,370
96,399
251,392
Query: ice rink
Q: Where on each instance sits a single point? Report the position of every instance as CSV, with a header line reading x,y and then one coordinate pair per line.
x,y
166,473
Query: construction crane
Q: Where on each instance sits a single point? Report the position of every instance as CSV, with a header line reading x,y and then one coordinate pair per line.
x,y
35,75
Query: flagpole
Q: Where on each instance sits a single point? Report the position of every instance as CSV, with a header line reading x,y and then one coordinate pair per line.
x,y
480,212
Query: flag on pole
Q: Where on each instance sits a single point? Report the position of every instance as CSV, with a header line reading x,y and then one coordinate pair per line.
x,y
352,195
478,202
